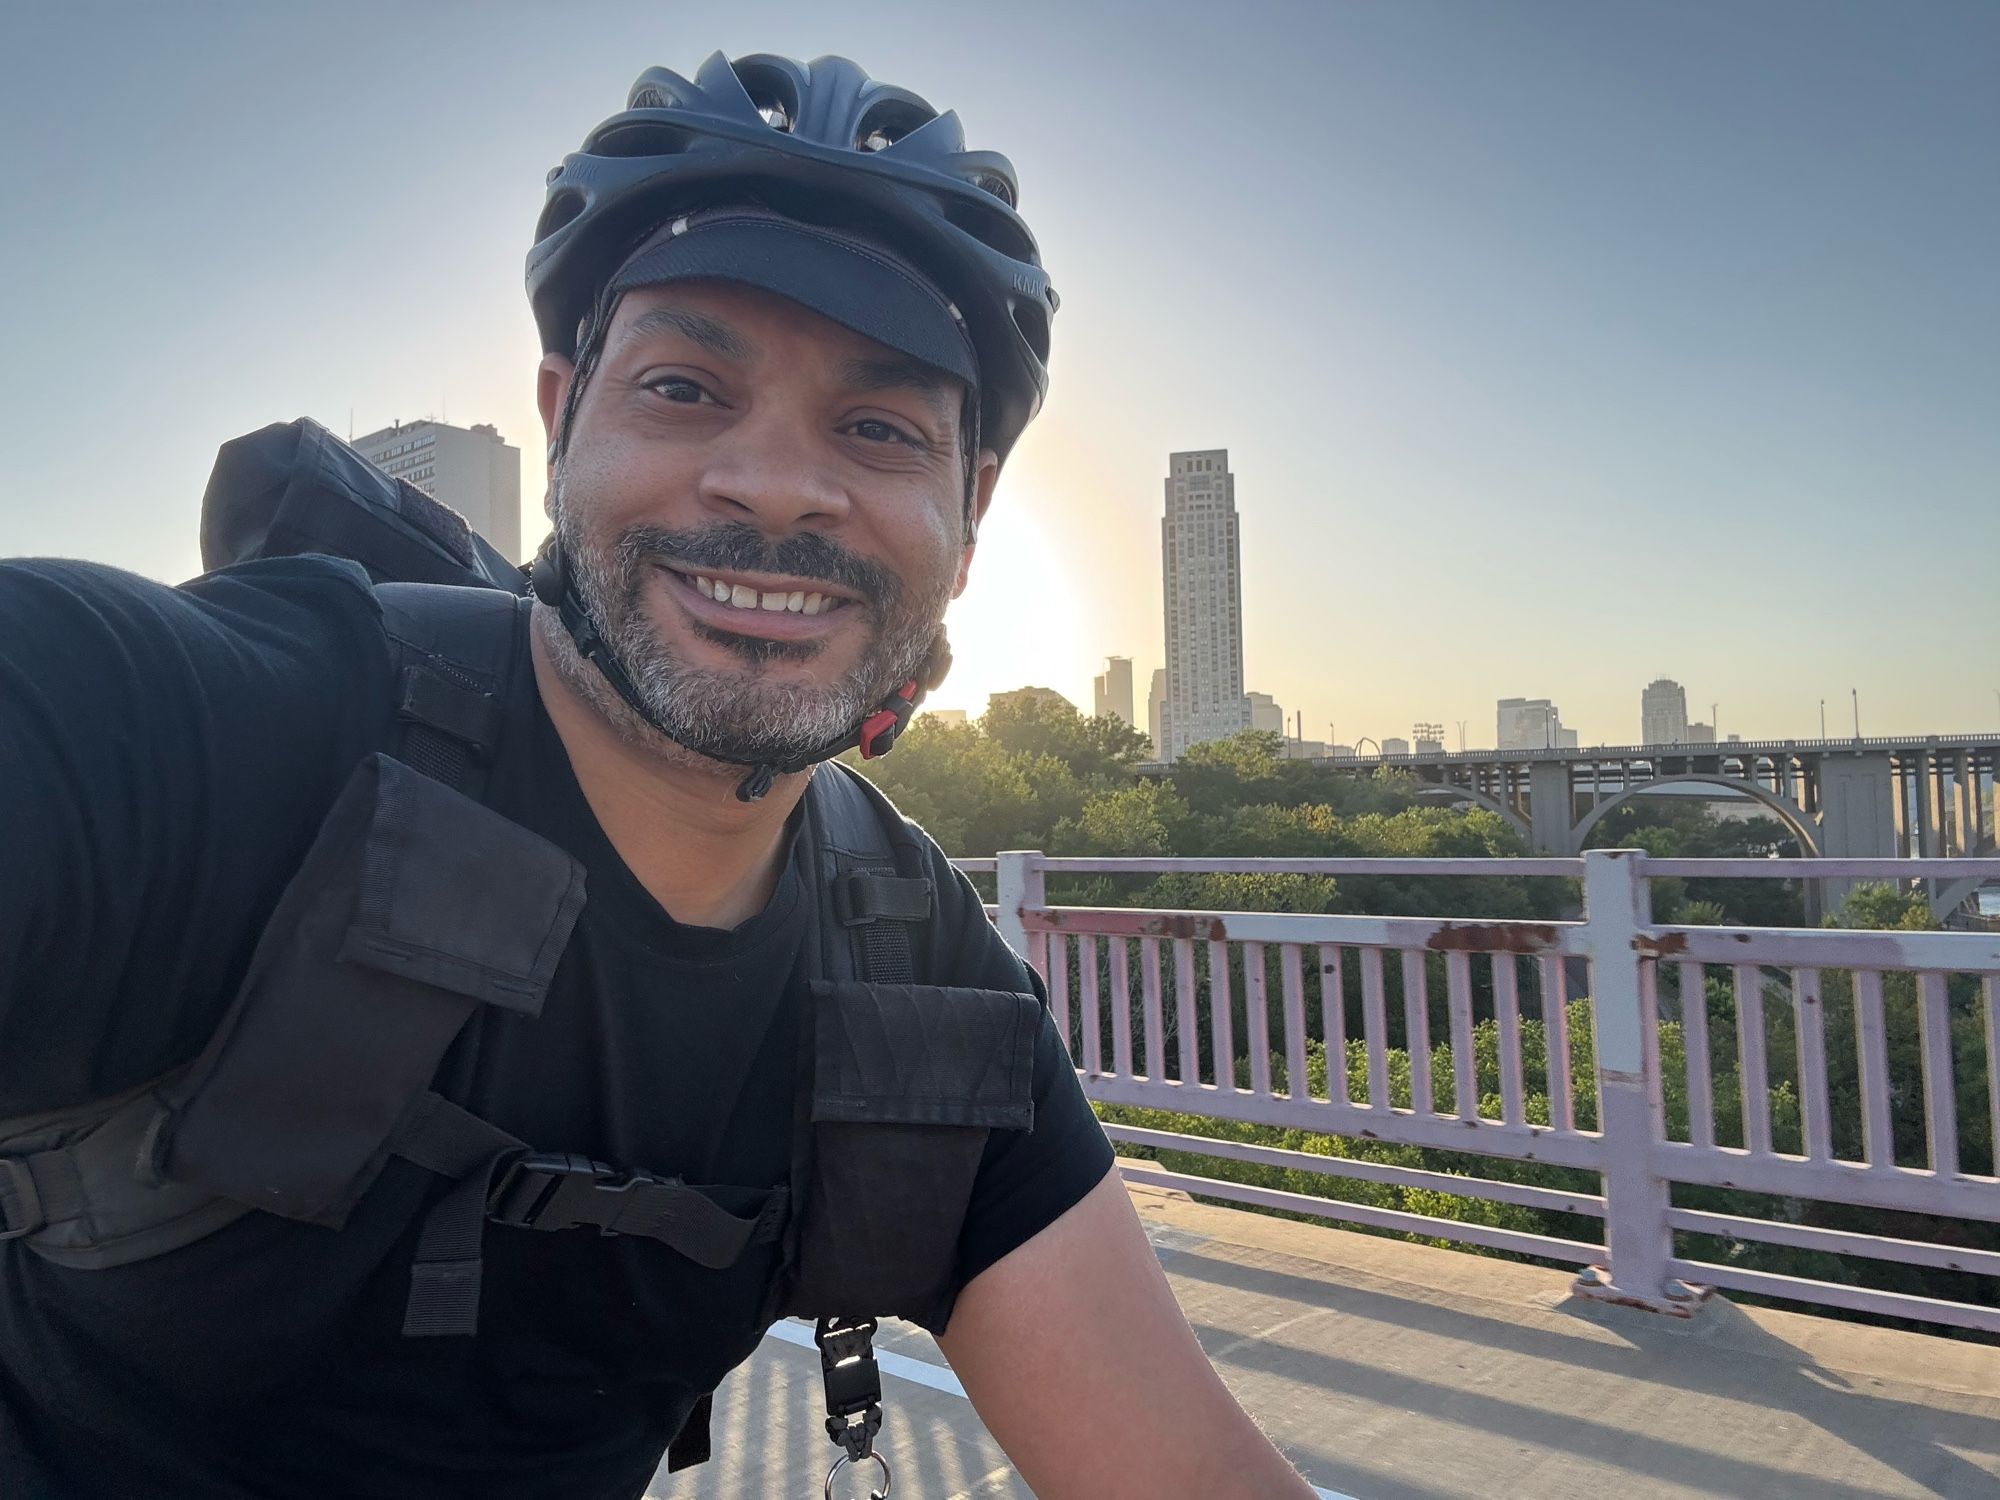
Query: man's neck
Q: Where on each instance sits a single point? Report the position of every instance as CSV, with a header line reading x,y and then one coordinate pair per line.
x,y
709,859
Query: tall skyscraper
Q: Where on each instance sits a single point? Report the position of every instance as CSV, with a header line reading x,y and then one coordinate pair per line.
x,y
470,469
1663,713
1156,707
1533,724
1113,690
1201,567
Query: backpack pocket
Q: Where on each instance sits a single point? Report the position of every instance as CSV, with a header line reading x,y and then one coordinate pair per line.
x,y
908,1081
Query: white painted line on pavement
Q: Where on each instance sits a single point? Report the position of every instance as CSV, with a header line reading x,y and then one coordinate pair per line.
x,y
922,1372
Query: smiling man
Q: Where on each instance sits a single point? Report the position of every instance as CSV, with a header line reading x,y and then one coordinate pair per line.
x,y
354,1149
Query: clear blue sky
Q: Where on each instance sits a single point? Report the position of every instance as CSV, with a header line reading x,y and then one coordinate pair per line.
x,y
1556,346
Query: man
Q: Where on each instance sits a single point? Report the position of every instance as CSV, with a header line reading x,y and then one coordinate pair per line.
x,y
792,331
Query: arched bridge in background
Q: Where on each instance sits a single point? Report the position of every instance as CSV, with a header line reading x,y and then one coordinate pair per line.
x,y
1923,797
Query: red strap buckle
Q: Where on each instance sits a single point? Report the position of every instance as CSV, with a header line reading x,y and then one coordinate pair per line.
x,y
889,722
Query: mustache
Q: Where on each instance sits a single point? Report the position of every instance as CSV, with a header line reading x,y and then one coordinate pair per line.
x,y
733,547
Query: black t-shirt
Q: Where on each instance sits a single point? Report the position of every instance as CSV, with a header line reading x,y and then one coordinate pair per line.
x,y
166,756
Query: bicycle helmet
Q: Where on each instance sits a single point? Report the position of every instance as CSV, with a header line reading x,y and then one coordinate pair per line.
x,y
824,144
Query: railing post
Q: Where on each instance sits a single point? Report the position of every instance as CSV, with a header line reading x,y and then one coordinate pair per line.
x,y
1020,886
1618,911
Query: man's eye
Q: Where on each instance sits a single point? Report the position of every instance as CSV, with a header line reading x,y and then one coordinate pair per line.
x,y
872,430
686,392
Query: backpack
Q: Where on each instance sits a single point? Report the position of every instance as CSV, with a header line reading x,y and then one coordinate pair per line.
x,y
375,959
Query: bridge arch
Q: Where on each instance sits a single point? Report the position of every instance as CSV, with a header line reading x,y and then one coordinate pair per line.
x,y
1452,791
1802,828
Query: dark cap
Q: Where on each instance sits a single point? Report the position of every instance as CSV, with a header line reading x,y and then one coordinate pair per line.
x,y
853,281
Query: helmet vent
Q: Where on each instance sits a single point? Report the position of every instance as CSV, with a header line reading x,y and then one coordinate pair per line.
x,y
998,186
641,138
562,208
652,96
888,121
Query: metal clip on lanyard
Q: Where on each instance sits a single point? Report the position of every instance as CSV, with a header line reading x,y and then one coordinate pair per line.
x,y
853,1395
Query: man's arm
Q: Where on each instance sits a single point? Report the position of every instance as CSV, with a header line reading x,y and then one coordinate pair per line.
x,y
1079,1361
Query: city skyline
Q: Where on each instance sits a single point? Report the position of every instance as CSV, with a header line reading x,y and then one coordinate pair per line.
x,y
1552,344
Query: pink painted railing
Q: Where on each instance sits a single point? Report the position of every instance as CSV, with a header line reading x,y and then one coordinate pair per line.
x,y
1131,988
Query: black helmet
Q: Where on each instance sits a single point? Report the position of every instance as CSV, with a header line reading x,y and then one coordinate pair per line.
x,y
823,143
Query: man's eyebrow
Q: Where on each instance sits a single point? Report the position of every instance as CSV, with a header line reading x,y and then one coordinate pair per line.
x,y
939,390
716,337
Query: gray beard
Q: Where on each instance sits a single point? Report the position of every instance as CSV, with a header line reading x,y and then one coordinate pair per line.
x,y
737,715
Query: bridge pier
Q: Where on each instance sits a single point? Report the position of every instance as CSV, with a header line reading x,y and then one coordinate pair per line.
x,y
1551,807
1859,818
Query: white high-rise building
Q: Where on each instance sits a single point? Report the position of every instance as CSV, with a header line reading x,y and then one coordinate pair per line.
x,y
1156,707
1663,713
470,469
1532,724
1202,570
1113,689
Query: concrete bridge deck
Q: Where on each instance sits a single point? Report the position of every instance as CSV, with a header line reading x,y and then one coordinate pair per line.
x,y
1390,1371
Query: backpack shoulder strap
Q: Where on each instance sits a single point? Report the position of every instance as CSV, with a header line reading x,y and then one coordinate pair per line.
x,y
456,651
875,896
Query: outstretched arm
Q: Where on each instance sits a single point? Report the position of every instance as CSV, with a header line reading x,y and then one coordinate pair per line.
x,y
1080,1363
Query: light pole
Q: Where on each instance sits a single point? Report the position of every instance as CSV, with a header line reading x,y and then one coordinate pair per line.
x,y
1857,711
1822,715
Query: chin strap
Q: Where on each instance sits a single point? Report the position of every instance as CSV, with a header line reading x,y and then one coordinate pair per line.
x,y
875,736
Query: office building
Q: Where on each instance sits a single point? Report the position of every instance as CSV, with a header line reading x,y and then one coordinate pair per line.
x,y
1112,690
1429,738
1265,713
1700,734
1395,746
1156,704
1663,713
1532,724
1202,573
470,469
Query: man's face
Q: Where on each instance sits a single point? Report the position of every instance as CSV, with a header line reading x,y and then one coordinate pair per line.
x,y
731,443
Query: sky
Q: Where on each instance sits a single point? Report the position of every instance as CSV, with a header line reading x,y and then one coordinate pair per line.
x,y
1556,346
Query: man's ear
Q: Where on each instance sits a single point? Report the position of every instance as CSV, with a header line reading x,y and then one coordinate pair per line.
x,y
552,378
983,479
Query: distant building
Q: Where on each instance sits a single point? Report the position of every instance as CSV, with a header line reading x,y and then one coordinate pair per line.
x,y
946,715
1044,695
470,469
1429,738
1201,568
1532,724
1304,750
1700,734
1112,690
1156,703
1663,713
1395,746
1265,713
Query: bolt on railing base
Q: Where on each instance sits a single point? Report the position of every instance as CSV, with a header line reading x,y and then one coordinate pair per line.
x,y
1680,1299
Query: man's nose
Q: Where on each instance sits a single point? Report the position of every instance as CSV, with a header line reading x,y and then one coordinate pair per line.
x,y
771,471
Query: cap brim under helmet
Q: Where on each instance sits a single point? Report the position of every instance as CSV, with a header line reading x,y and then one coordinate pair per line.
x,y
860,285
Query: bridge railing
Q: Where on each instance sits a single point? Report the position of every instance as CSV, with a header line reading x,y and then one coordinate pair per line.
x,y
1325,1024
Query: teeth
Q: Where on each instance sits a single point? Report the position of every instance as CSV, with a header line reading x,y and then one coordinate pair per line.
x,y
742,596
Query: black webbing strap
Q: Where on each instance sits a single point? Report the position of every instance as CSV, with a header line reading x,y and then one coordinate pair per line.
x,y
450,1140
548,1191
877,910
37,1190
